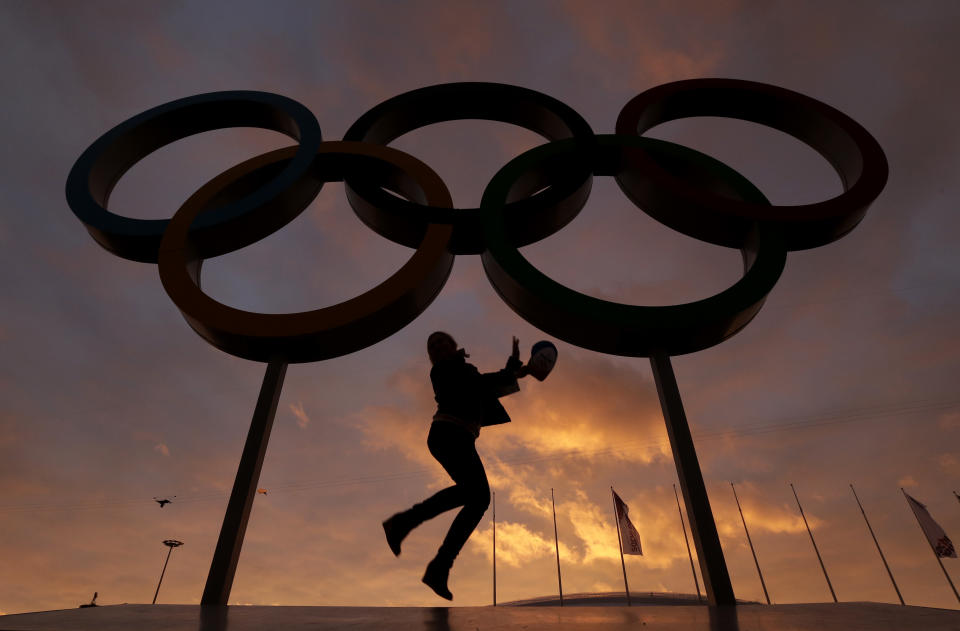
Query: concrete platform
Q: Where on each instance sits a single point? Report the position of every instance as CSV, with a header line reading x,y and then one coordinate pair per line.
x,y
812,617
615,599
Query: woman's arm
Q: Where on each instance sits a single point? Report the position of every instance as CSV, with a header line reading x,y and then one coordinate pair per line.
x,y
504,382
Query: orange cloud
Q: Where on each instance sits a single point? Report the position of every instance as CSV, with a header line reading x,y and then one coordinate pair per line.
x,y
517,544
594,527
760,516
302,419
907,481
514,481
949,464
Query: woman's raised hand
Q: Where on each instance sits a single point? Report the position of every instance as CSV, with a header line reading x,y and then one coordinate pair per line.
x,y
522,370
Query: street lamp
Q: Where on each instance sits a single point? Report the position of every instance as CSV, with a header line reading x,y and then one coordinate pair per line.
x,y
170,543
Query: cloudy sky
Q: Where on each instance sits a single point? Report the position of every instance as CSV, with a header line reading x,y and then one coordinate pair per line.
x,y
848,374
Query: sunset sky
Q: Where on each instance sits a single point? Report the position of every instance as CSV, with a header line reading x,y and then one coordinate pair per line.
x,y
848,375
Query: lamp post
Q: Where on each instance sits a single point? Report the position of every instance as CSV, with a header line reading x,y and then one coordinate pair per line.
x,y
170,543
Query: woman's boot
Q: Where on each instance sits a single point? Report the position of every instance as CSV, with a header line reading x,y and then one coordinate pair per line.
x,y
436,576
396,529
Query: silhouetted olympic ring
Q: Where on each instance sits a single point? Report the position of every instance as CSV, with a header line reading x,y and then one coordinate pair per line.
x,y
530,220
98,169
611,327
530,198
322,333
847,146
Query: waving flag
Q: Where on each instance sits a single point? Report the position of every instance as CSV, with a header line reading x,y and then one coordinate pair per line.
x,y
629,537
938,539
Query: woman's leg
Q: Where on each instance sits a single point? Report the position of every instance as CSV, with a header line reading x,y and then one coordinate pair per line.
x,y
456,451
460,459
446,444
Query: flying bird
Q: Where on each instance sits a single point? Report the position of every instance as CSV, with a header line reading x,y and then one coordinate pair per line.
x,y
163,500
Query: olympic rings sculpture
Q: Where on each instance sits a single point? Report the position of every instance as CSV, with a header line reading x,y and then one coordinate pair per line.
x,y
530,198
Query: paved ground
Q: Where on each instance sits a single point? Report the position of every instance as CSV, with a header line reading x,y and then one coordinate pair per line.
x,y
815,617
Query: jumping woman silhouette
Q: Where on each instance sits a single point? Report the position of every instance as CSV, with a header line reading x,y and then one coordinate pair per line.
x,y
466,401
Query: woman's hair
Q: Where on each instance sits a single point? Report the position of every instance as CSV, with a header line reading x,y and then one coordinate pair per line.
x,y
436,338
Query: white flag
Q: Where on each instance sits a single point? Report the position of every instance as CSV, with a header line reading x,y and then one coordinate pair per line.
x,y
935,535
629,537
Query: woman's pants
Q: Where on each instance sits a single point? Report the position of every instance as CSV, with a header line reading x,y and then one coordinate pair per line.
x,y
455,449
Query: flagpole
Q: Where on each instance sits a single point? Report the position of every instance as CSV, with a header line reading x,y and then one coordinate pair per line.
x,y
815,549
556,543
750,541
932,549
494,548
877,543
687,541
616,518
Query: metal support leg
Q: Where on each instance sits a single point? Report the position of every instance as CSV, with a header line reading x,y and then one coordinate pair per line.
x,y
716,579
225,557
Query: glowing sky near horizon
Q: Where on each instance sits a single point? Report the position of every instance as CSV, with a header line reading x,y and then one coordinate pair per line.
x,y
847,375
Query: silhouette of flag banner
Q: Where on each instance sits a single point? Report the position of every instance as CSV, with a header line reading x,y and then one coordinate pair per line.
x,y
629,537
935,535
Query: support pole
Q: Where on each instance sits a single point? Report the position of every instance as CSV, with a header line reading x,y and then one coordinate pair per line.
x,y
494,548
556,543
616,518
877,543
815,549
227,553
750,541
713,568
686,540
